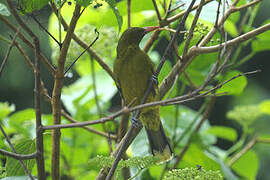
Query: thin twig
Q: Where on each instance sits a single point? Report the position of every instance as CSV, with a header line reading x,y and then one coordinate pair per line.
x,y
247,147
193,25
157,11
128,13
177,100
8,52
89,129
18,156
86,49
195,51
84,45
93,74
56,95
42,27
26,170
48,98
199,125
29,44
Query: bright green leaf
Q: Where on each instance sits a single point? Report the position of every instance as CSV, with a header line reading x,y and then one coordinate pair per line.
x,y
84,3
24,122
13,166
6,109
235,86
247,166
4,10
223,132
196,156
28,6
116,12
245,115
231,28
262,41
265,106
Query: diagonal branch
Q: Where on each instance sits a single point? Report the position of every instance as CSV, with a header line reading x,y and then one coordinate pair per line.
x,y
26,170
29,44
18,156
56,95
84,45
8,52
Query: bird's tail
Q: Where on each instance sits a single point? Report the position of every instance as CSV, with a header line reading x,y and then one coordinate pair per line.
x,y
159,144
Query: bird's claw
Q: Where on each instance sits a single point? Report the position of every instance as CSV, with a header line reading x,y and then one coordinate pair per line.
x,y
154,79
135,122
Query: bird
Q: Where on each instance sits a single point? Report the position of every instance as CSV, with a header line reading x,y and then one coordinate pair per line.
x,y
133,69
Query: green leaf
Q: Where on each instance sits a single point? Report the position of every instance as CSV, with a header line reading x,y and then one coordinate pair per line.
x,y
6,109
235,86
247,166
116,12
13,166
231,28
265,107
28,6
4,10
223,132
23,122
245,115
195,156
262,41
84,3
176,124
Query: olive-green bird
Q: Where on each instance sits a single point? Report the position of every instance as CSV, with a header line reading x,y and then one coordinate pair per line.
x,y
133,70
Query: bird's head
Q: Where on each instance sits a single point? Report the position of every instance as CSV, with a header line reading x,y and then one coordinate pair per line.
x,y
133,36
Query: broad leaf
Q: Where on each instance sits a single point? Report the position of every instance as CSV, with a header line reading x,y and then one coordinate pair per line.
x,y
4,10
13,166
223,132
247,166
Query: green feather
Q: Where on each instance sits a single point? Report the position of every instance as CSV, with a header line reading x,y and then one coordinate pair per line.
x,y
133,70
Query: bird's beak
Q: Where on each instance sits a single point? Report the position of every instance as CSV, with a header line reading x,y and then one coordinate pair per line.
x,y
150,28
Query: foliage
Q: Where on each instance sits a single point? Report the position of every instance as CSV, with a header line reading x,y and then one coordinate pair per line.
x,y
138,162
93,95
193,173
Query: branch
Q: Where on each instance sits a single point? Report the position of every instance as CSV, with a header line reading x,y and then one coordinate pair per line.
x,y
26,170
128,13
85,45
18,156
56,95
201,50
48,98
157,11
193,25
247,147
197,128
177,100
92,130
182,13
8,52
39,132
195,51
29,44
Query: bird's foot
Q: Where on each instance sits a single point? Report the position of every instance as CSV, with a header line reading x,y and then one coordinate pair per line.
x,y
154,79
135,122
